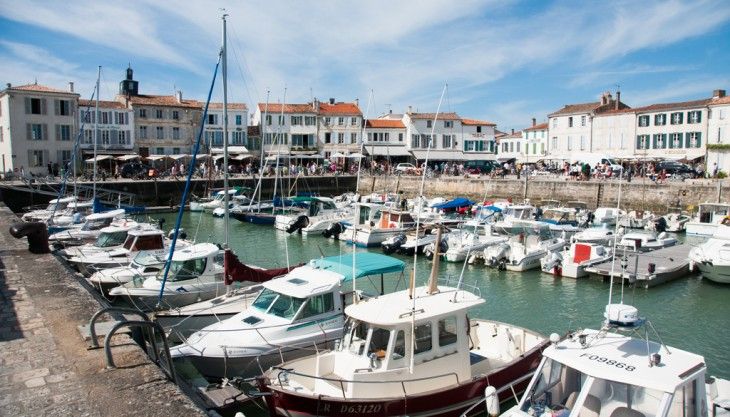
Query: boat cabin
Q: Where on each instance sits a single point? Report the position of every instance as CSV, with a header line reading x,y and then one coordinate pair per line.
x,y
319,205
390,219
98,221
59,204
605,374
194,261
368,214
519,212
144,239
112,236
560,216
639,242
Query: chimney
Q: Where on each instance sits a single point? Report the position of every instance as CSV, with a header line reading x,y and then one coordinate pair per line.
x,y
513,131
178,96
715,93
389,112
332,100
357,102
618,99
534,121
71,86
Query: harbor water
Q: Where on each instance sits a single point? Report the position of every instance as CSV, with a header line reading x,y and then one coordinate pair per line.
x,y
689,313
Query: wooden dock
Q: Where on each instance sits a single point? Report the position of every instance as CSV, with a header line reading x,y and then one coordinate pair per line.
x,y
668,264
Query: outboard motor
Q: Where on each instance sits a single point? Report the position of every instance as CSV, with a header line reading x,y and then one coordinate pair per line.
x,y
660,225
300,223
333,230
37,234
160,223
394,244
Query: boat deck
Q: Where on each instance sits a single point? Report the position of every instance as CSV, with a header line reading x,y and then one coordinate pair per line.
x,y
670,263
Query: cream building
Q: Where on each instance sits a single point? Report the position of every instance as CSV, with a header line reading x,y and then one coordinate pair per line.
x,y
237,125
38,126
115,135
385,138
718,132
287,128
476,140
534,140
340,127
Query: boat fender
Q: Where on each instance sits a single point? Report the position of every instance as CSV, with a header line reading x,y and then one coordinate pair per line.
x,y
492,400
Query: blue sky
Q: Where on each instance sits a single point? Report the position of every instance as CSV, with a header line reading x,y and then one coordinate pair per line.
x,y
503,61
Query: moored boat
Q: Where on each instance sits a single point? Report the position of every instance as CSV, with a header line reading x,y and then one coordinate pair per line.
x,y
712,258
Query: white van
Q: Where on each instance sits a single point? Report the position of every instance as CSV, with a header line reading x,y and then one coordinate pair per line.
x,y
596,158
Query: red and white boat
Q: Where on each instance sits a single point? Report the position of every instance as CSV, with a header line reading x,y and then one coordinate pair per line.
x,y
378,369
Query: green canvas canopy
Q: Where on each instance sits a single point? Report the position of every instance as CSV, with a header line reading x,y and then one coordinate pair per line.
x,y
365,264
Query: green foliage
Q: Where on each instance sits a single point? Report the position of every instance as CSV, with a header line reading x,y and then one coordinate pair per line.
x,y
719,146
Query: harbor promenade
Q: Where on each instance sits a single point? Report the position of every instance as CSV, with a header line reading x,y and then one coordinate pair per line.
x,y
45,367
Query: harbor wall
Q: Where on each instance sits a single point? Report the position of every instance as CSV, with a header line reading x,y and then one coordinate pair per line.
x,y
638,194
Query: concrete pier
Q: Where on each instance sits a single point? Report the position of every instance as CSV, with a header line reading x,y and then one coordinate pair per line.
x,y
45,367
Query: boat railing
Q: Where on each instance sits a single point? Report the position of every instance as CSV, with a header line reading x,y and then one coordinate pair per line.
x,y
510,386
341,382
451,280
280,351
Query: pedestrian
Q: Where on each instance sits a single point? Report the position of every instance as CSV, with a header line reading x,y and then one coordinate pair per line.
x,y
50,168
22,172
714,170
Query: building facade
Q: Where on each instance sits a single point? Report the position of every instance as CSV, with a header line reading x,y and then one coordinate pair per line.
x,y
237,125
286,127
340,127
477,139
718,133
38,127
115,128
385,138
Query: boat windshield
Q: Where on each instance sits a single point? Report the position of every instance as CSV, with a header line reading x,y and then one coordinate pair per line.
x,y
52,207
96,224
277,304
557,388
107,239
353,336
183,270
147,258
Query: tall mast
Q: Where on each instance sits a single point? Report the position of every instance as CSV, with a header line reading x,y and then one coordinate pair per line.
x,y
263,137
225,130
96,130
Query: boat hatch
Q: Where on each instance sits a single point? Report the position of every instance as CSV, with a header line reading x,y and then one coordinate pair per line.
x,y
251,320
297,281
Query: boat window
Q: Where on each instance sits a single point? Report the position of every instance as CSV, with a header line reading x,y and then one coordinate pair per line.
x,y
128,243
108,239
191,268
423,338
285,306
148,243
554,386
318,304
364,215
353,336
447,331
399,347
684,403
378,342
144,258
265,299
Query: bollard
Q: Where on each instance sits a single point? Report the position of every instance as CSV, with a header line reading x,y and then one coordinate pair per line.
x,y
37,235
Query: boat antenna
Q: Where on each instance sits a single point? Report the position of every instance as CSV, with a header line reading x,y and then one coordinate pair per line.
x,y
420,203
96,133
188,181
615,241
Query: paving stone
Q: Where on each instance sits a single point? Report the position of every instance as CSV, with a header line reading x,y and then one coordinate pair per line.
x,y
33,373
35,382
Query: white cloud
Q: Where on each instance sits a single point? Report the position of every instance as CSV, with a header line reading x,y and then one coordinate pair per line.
x,y
691,88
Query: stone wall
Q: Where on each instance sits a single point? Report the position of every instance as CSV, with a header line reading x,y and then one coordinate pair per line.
x,y
641,194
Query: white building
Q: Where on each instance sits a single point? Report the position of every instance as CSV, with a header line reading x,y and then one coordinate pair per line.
x,y
38,126
287,128
445,128
614,134
385,138
340,127
115,135
718,132
237,125
534,140
570,128
510,147
672,130
477,139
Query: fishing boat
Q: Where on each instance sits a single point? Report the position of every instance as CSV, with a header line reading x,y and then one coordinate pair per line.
x,y
712,258
144,264
598,235
376,224
292,316
88,231
708,217
110,238
617,371
572,262
406,353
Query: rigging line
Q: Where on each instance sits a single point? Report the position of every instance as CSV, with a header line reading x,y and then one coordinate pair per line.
x,y
191,170
245,66
615,241
474,235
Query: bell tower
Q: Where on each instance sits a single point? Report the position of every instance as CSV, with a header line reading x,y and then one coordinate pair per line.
x,y
129,87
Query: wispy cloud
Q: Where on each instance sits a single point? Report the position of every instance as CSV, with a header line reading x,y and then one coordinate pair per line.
x,y
684,89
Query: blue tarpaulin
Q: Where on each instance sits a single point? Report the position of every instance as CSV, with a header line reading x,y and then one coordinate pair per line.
x,y
365,264
455,203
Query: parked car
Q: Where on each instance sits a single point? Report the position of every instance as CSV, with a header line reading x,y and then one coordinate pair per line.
x,y
676,169
134,170
406,168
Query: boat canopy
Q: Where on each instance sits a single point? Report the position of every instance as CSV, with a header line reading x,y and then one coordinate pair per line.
x,y
365,264
453,204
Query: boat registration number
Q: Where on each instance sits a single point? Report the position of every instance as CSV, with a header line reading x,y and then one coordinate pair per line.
x,y
361,408
609,362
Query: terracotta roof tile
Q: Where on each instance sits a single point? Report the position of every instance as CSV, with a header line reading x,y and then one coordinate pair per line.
x,y
340,108
673,106
720,100
102,104
39,88
274,108
431,116
231,106
162,101
474,122
384,124
541,126
577,108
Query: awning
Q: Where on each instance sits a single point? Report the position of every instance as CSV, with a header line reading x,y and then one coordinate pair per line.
x,y
365,264
435,155
179,156
337,155
156,157
356,155
241,157
231,149
99,158
478,156
387,151
127,157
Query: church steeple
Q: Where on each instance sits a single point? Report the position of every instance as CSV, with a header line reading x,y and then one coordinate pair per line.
x,y
129,87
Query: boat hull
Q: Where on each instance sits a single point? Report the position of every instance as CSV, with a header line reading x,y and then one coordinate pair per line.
x,y
715,273
451,401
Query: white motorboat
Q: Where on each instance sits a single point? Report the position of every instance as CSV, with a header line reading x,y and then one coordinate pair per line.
x,y
712,258
56,207
617,371
598,235
670,222
708,217
292,316
424,342
463,242
88,231
607,216
572,262
110,238
219,198
645,241
150,239
522,253
516,219
145,264
407,243
636,219
320,214
376,224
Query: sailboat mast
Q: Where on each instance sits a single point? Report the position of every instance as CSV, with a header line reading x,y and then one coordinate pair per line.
x,y
264,122
96,131
224,72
